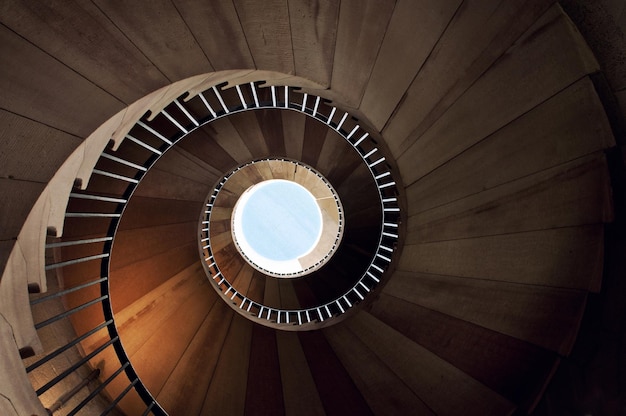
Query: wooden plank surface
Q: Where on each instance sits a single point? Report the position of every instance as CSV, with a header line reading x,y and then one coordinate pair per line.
x,y
144,318
271,126
216,27
178,187
149,311
267,29
257,287
126,286
84,39
220,241
131,282
25,87
515,369
185,390
360,32
185,164
356,190
306,296
435,377
480,32
14,210
510,88
383,390
414,29
158,356
564,257
264,169
21,135
243,279
569,125
229,261
264,393
288,296
545,316
299,391
221,215
142,243
247,127
202,144
169,40
271,296
337,391
145,211
293,132
225,134
313,35
334,153
576,193
227,392
315,134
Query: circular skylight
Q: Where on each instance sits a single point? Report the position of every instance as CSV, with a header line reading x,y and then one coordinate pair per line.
x,y
283,218
276,223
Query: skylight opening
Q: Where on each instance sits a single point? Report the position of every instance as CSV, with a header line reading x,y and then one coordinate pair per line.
x,y
276,223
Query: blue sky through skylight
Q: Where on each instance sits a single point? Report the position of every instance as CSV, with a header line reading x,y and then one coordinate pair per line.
x,y
280,220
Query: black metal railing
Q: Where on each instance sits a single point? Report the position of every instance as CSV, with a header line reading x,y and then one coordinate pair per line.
x,y
154,136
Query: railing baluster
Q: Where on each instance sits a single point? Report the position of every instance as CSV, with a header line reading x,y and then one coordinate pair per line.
x,y
156,133
144,145
352,132
304,98
330,116
374,273
371,165
78,242
345,116
243,102
69,312
74,367
91,215
371,152
207,105
273,88
175,122
124,162
67,346
75,261
286,96
97,390
65,397
187,113
148,409
221,100
67,291
115,176
98,198
120,397
317,103
256,99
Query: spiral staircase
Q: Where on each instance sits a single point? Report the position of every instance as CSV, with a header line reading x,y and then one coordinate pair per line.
x,y
466,142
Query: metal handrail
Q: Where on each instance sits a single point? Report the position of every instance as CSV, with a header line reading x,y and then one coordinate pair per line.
x,y
381,175
310,106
